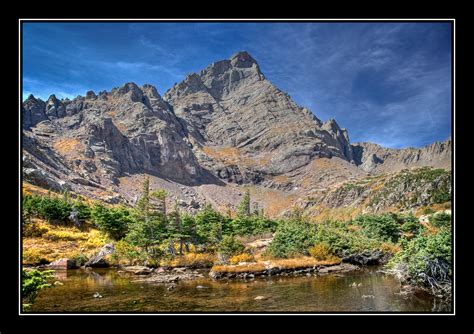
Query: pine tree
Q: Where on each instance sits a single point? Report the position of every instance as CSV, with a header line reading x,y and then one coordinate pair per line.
x,y
244,207
160,195
143,204
175,229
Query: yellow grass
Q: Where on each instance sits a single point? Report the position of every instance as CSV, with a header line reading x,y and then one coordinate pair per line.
x,y
295,263
191,260
60,241
244,257
251,267
303,262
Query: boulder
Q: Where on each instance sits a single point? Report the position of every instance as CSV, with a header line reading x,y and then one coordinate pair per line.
x,y
63,263
98,264
98,261
138,270
365,258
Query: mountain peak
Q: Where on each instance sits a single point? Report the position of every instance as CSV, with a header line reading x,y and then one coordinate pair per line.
x,y
130,89
331,125
242,59
30,97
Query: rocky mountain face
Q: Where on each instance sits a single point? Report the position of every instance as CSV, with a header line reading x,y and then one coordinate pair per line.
x,y
395,191
91,141
244,128
375,158
217,130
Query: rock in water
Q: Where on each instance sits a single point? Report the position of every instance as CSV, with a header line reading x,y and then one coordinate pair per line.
x,y
63,263
98,260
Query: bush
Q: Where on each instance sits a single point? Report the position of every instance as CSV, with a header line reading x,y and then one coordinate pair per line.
x,y
128,252
80,259
229,246
113,221
428,211
420,255
252,225
322,252
411,225
383,227
210,226
440,220
35,256
292,238
341,239
83,210
33,281
30,206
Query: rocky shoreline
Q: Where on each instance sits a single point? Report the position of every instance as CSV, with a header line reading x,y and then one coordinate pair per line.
x,y
276,271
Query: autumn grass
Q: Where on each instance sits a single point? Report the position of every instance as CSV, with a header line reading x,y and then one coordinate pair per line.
x,y
55,242
249,267
192,260
282,264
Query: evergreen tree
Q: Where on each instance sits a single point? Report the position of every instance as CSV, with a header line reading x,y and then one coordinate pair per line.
x,y
143,204
175,229
160,195
244,207
149,228
189,230
209,225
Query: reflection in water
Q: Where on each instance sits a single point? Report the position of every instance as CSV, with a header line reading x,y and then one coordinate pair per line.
x,y
365,290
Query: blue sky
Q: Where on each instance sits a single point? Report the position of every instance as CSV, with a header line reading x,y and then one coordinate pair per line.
x,y
388,83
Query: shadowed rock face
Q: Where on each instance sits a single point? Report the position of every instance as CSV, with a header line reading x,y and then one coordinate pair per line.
x,y
225,123
96,139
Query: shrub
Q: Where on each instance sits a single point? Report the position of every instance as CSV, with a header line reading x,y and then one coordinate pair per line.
x,y
428,211
54,209
341,239
35,256
425,259
440,220
383,227
80,259
128,252
113,221
321,252
210,226
292,238
252,225
411,225
83,210
33,281
230,246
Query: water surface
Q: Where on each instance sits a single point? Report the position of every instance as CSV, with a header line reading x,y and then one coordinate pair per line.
x,y
375,292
